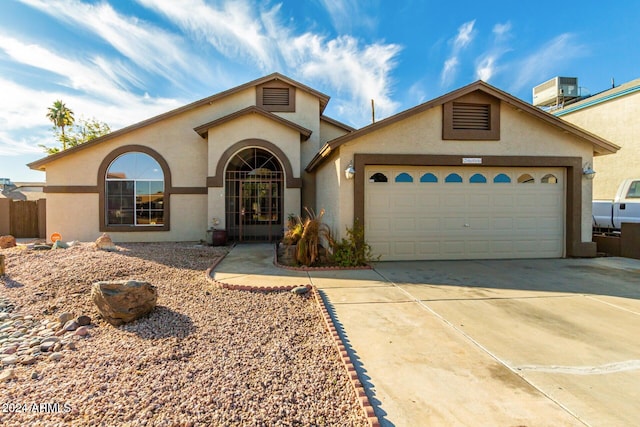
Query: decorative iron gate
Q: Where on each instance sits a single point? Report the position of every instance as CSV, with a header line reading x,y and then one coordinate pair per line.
x,y
253,197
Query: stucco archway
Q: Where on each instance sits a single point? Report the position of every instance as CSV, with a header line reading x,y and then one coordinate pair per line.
x,y
218,179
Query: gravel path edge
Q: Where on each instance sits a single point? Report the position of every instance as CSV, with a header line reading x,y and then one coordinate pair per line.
x,y
350,368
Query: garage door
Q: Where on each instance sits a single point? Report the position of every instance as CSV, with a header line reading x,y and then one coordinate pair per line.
x,y
421,213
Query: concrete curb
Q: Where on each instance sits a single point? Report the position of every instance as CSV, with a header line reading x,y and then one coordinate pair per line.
x,y
361,395
303,268
249,288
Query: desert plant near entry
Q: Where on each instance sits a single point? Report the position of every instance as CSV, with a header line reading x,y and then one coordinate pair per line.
x,y
305,235
352,251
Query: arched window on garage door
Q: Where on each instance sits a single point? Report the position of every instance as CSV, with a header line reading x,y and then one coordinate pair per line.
x,y
378,177
404,177
478,178
502,178
526,179
549,179
453,178
429,177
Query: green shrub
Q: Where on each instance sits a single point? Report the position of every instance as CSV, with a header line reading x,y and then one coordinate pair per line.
x,y
352,251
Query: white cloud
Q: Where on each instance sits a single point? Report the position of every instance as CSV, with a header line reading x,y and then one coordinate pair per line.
x,y
463,38
417,93
449,67
75,74
149,47
24,123
550,59
502,30
487,63
12,147
360,72
242,31
486,68
347,14
234,29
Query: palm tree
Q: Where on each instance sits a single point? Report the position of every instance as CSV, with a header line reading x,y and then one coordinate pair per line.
x,y
61,116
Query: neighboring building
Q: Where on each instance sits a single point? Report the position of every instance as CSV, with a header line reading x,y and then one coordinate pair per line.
x,y
615,115
4,183
24,191
476,173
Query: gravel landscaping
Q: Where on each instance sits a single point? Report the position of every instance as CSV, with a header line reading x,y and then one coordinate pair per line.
x,y
204,356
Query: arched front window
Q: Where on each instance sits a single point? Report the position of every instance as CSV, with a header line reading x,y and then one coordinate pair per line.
x,y
134,191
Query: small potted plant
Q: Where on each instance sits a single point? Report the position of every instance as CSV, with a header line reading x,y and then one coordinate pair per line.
x,y
218,236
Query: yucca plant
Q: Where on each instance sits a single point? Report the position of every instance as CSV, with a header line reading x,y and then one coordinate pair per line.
x,y
305,234
295,227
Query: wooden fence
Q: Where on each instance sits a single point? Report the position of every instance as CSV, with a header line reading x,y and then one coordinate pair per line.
x,y
23,218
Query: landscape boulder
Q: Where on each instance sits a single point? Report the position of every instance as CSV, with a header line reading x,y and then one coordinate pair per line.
x,y
105,243
7,242
123,301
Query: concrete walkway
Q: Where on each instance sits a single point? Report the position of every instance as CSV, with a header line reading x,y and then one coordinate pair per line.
x,y
500,343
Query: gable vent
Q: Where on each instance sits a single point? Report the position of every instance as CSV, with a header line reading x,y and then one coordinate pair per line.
x,y
471,116
275,96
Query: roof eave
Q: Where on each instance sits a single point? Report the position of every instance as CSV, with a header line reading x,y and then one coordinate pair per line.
x,y
319,158
600,145
337,123
323,99
203,129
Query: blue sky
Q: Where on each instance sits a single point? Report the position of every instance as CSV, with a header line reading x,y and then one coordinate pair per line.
x,y
122,61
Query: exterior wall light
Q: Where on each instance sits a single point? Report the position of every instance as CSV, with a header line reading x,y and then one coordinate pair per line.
x,y
588,171
350,172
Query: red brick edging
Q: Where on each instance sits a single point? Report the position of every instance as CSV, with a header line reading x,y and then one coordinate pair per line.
x,y
365,404
304,268
346,360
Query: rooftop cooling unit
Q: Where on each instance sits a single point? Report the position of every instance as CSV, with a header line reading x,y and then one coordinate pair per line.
x,y
554,91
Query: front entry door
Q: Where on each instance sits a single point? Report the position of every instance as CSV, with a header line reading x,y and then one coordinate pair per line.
x,y
254,196
260,211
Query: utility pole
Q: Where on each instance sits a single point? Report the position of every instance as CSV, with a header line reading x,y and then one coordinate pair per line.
x,y
373,112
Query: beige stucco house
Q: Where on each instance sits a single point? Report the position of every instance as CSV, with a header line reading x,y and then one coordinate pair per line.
x,y
614,114
476,173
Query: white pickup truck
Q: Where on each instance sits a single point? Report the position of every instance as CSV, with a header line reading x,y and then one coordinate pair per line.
x,y
608,215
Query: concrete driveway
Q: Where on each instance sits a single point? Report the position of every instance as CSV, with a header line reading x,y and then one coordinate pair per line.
x,y
494,343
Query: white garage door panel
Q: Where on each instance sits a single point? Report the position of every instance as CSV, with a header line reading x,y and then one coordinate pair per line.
x,y
447,220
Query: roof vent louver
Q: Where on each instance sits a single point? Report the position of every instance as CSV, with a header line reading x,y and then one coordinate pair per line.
x,y
275,96
471,116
